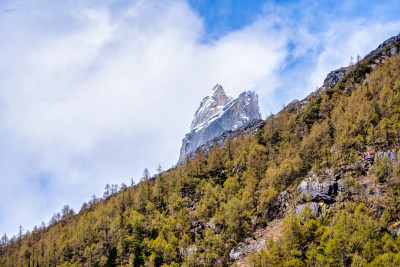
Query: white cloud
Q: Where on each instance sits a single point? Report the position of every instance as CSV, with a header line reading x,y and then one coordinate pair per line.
x,y
346,39
99,101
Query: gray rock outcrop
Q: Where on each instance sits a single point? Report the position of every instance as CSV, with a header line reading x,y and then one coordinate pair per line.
x,y
314,190
368,157
243,250
315,209
187,252
330,81
391,155
216,116
334,77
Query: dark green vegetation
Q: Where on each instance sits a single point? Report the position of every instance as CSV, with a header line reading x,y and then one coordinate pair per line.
x,y
196,213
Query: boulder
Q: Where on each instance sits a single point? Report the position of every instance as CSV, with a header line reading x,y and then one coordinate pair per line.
x,y
185,253
315,209
340,186
391,155
393,50
242,250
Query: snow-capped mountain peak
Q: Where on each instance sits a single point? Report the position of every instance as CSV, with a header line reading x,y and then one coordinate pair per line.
x,y
210,106
217,114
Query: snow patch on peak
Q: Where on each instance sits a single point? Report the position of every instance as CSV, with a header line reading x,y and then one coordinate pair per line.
x,y
217,114
210,105
217,89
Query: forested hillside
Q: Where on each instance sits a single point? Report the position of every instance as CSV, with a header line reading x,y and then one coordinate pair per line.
x,y
196,213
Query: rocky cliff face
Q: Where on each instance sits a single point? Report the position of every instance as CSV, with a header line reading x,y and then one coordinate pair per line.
x,y
218,114
210,106
334,77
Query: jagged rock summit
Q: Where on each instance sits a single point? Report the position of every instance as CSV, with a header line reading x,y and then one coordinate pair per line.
x,y
217,114
210,106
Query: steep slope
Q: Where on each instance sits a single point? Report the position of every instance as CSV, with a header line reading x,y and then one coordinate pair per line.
x,y
325,166
216,116
348,202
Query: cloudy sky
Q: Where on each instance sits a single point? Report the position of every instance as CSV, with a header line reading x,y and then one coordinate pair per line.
x,y
94,91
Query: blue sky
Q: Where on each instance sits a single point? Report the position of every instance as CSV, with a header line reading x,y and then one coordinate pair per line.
x,y
221,17
94,91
